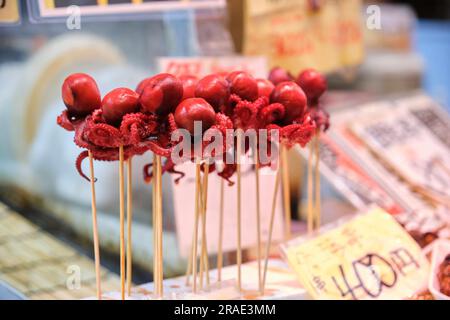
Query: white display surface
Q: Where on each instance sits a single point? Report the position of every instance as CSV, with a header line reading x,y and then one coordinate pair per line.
x,y
282,284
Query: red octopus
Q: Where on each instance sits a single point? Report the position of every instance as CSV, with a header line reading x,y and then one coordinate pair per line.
x,y
147,118
116,121
200,102
314,85
186,114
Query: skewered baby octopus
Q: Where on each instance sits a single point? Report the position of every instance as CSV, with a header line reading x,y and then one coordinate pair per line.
x,y
102,127
314,85
287,113
258,104
197,109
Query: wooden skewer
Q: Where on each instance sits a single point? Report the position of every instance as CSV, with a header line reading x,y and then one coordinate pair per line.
x,y
258,221
95,228
436,199
299,191
238,174
317,208
129,222
202,262
196,221
272,219
160,228
189,266
122,223
219,245
204,248
154,214
286,193
310,220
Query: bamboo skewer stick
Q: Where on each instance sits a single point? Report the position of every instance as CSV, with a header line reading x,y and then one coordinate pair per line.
x,y
129,222
238,173
219,246
286,193
160,227
122,223
258,221
196,221
301,174
317,208
204,210
431,196
154,214
272,219
95,228
310,220
200,206
189,266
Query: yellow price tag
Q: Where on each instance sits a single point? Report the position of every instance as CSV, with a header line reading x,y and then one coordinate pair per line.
x,y
9,11
369,257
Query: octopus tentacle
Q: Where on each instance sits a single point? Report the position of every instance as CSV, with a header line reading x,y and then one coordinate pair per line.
x,y
321,118
172,124
297,133
168,166
83,155
102,134
272,113
64,121
148,175
228,172
244,115
136,127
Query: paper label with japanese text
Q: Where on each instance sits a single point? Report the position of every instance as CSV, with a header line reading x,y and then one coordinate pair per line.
x,y
419,217
409,148
350,178
369,257
202,66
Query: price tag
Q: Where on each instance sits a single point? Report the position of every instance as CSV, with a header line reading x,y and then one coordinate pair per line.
x,y
9,11
369,257
202,66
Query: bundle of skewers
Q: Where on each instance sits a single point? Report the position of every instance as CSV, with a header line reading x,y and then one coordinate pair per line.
x,y
203,121
314,85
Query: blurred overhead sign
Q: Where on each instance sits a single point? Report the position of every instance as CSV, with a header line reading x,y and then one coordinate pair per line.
x,y
58,8
299,34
